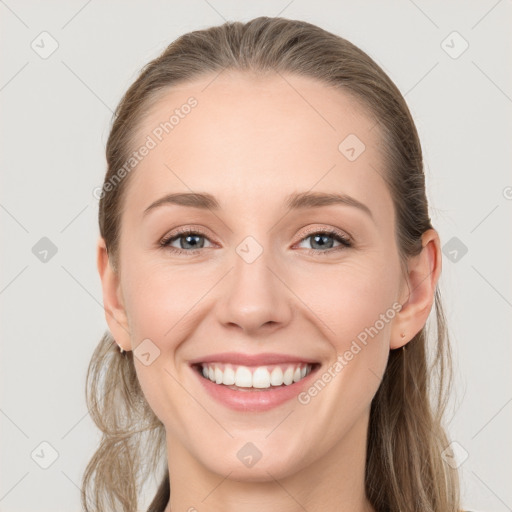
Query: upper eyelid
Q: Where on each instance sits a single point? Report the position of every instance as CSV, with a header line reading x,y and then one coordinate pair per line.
x,y
183,232
331,230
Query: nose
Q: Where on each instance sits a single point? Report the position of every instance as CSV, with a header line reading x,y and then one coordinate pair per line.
x,y
255,296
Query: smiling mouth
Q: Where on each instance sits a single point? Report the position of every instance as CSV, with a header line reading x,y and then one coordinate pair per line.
x,y
254,378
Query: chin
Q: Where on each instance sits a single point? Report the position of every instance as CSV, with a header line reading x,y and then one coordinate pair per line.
x,y
263,470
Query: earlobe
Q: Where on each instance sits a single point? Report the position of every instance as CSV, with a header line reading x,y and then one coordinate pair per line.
x,y
115,312
423,274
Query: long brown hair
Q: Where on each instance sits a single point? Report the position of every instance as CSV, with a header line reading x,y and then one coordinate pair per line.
x,y
405,470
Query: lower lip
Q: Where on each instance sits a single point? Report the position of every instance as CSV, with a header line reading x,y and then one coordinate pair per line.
x,y
254,399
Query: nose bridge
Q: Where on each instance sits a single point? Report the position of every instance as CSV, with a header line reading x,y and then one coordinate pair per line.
x,y
254,296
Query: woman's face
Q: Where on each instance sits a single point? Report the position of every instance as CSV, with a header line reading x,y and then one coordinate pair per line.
x,y
258,276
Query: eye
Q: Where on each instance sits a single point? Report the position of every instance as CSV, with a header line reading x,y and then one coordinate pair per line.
x,y
188,241
320,239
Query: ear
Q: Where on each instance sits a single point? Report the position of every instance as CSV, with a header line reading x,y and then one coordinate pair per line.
x,y
419,290
113,304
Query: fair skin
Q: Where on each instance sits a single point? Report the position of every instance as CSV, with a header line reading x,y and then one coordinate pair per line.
x,y
251,142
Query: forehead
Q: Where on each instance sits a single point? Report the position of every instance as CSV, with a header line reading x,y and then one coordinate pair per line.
x,y
250,138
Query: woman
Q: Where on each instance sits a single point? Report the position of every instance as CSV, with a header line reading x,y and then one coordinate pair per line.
x,y
268,267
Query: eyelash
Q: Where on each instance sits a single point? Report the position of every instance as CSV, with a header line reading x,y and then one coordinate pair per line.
x,y
345,242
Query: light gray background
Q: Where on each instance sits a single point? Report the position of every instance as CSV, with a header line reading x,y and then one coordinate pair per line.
x,y
55,119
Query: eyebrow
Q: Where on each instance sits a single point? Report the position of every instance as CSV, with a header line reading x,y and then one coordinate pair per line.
x,y
295,201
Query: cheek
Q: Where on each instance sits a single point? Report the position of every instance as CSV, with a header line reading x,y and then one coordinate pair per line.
x,y
159,304
354,310
352,300
159,297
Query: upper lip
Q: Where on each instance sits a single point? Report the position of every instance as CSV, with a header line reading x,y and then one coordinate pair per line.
x,y
239,358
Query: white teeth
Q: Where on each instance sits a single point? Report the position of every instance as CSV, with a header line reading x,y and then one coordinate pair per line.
x,y
229,376
276,377
243,377
260,378
288,375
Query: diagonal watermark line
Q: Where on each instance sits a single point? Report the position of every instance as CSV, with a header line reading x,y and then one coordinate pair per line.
x,y
74,426
306,100
78,487
14,485
13,279
216,487
88,498
83,287
199,300
2,2
282,421
14,218
503,297
506,403
422,78
376,171
374,125
380,377
206,1
93,297
485,15
492,81
86,86
14,423
286,491
199,403
484,218
508,508
301,300
75,15
74,218
284,8
213,79
424,14
14,76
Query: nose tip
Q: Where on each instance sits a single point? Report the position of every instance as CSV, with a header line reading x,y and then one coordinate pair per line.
x,y
254,298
